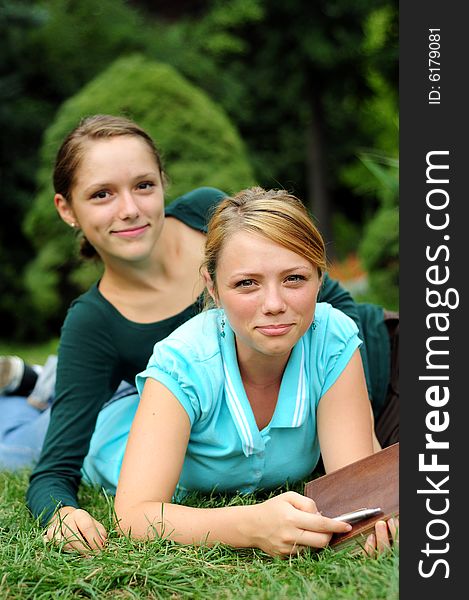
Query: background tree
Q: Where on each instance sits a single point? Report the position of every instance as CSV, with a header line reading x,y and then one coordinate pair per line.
x,y
316,101
301,79
48,50
379,246
311,86
20,137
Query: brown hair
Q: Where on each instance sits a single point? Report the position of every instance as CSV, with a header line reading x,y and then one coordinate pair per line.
x,y
274,214
72,151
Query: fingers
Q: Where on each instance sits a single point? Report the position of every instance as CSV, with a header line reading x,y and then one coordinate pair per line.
x,y
308,527
379,541
77,530
382,536
318,530
93,533
312,539
315,530
300,502
308,509
283,525
319,523
72,542
370,545
393,525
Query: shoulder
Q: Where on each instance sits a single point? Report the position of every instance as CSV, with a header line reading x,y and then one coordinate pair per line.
x,y
195,340
80,307
88,322
189,364
191,353
195,208
90,308
330,345
329,319
332,329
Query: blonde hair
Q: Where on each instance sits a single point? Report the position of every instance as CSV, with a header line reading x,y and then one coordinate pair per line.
x,y
73,149
274,214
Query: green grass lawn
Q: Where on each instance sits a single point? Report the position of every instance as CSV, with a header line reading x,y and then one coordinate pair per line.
x,y
32,569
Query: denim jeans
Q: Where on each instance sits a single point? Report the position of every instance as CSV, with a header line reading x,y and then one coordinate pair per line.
x,y
23,429
22,432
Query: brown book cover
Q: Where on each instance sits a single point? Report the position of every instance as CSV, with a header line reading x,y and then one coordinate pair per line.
x,y
371,482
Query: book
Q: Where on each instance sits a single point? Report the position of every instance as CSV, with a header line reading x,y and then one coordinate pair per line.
x,y
370,482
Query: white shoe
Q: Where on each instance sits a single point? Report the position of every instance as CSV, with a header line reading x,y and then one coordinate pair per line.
x,y
11,373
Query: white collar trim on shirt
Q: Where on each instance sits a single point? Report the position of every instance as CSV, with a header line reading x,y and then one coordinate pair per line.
x,y
239,415
251,439
299,414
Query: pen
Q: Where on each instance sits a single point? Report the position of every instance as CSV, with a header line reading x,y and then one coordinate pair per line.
x,y
358,515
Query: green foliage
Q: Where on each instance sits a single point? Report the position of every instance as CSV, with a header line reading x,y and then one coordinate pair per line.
x,y
17,156
270,64
79,39
298,64
31,568
384,184
200,146
49,49
377,115
346,235
379,252
379,248
277,58
374,176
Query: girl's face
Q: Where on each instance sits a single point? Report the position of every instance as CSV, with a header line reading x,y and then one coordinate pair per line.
x,y
117,199
268,293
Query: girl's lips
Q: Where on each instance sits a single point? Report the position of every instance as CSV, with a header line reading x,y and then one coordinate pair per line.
x,y
131,232
275,329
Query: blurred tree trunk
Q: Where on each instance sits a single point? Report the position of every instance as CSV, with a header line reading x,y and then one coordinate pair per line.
x,y
319,201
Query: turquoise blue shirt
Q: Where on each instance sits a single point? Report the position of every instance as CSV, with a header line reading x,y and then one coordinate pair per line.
x,y
226,450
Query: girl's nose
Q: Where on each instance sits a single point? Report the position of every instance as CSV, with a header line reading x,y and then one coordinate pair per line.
x,y
273,300
128,208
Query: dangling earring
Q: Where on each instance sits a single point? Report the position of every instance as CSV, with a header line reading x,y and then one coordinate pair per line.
x,y
222,325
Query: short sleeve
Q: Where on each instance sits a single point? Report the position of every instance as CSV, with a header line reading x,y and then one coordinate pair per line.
x,y
339,343
333,293
196,207
185,377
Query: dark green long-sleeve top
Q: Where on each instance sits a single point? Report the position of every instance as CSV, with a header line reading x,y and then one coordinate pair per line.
x,y
99,348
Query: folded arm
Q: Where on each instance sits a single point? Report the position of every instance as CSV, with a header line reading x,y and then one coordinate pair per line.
x,y
344,417
346,434
151,469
